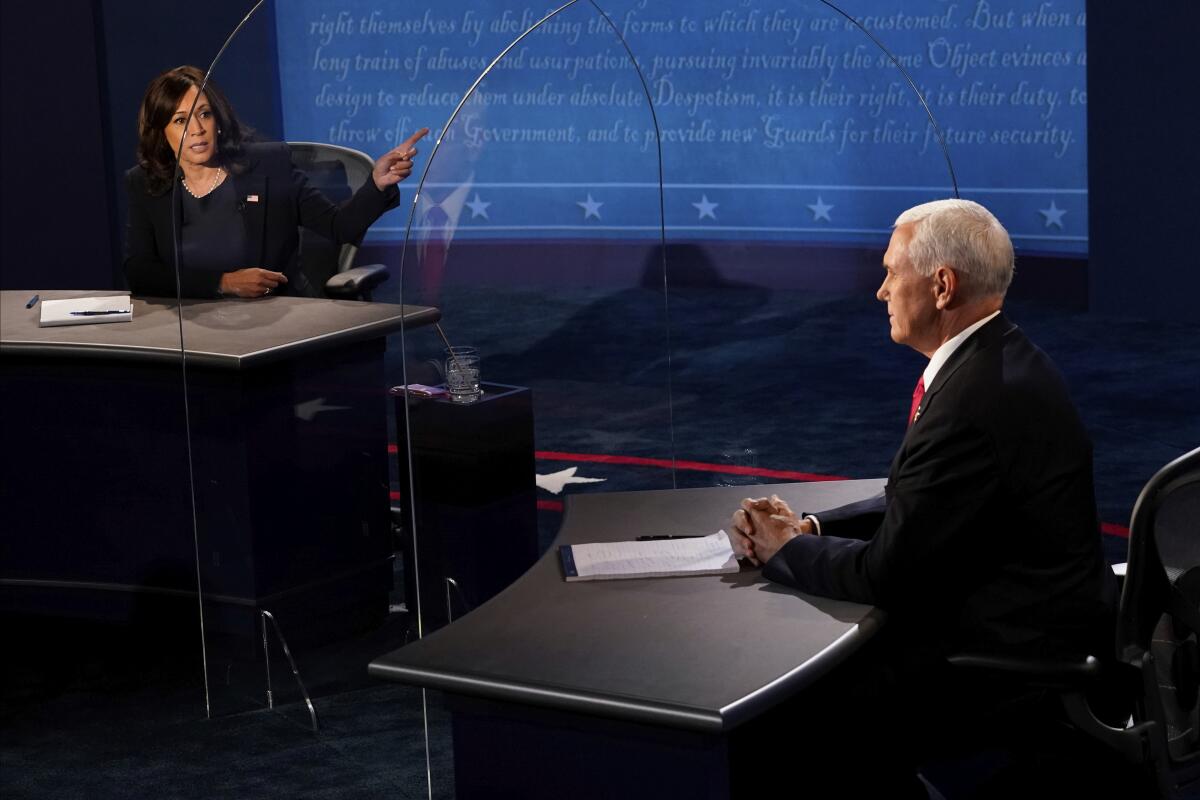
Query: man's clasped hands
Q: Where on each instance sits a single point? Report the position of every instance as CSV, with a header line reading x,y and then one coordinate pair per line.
x,y
763,525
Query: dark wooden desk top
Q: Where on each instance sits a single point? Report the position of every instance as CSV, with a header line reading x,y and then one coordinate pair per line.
x,y
699,653
230,334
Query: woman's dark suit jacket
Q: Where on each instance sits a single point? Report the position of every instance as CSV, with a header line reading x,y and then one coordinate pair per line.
x,y
987,537
274,198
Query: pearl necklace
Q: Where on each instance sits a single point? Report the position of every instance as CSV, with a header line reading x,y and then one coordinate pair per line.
x,y
216,180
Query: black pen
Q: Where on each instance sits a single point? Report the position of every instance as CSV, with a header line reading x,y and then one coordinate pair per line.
x,y
99,313
659,538
32,301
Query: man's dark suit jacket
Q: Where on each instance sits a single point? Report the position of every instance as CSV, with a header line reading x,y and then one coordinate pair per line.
x,y
987,536
274,198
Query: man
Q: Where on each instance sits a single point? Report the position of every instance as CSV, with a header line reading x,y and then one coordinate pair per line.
x,y
986,537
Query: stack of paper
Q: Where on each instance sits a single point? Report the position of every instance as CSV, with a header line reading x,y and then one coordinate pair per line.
x,y
700,555
86,310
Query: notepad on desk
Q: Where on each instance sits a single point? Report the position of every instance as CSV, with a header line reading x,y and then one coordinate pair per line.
x,y
86,310
663,558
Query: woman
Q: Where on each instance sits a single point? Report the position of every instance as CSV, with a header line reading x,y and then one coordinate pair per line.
x,y
239,203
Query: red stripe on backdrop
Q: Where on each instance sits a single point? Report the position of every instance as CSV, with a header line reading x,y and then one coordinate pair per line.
x,y
666,463
1113,529
698,466
1108,528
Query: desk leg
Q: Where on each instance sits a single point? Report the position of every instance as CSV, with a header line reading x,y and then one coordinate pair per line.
x,y
504,750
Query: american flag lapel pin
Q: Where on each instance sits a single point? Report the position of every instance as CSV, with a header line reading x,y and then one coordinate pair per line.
x,y
251,198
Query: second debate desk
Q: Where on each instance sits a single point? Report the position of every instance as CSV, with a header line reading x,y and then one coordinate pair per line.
x,y
630,688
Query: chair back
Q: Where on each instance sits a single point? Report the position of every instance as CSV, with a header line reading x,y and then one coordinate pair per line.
x,y
337,172
1158,630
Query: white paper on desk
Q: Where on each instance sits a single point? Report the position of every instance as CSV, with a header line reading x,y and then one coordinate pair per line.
x,y
69,312
703,555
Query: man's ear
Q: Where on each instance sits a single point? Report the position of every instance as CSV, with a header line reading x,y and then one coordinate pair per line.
x,y
945,287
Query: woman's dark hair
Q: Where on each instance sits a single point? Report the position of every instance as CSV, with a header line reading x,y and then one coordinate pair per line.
x,y
159,104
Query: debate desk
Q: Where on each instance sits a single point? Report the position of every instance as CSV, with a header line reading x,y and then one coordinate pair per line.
x,y
288,417
630,688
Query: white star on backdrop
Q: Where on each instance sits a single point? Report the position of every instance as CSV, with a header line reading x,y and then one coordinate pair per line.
x,y
705,207
310,408
820,210
591,208
478,207
1053,215
555,481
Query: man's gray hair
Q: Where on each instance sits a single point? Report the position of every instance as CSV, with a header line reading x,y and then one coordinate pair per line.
x,y
965,236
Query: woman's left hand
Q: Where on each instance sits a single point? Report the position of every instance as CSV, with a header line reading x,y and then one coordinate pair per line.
x,y
396,164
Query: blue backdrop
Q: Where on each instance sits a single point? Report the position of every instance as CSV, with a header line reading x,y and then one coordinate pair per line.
x,y
780,121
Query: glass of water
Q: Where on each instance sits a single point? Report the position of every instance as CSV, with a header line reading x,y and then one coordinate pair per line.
x,y
462,374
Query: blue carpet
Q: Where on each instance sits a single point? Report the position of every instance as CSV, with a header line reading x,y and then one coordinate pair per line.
x,y
758,378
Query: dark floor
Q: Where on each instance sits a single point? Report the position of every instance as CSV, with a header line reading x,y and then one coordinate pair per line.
x,y
758,378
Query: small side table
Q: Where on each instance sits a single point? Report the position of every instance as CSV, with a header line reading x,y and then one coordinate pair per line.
x,y
474,498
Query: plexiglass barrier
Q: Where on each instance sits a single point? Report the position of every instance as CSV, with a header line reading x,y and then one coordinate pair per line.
x,y
288,403
567,317
780,254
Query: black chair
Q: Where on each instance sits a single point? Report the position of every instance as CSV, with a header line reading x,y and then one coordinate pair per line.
x,y
1156,642
1159,625
337,172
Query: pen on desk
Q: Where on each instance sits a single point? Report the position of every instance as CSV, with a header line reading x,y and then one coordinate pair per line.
x,y
33,301
658,538
99,313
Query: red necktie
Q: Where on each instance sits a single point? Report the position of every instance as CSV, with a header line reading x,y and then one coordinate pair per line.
x,y
918,393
